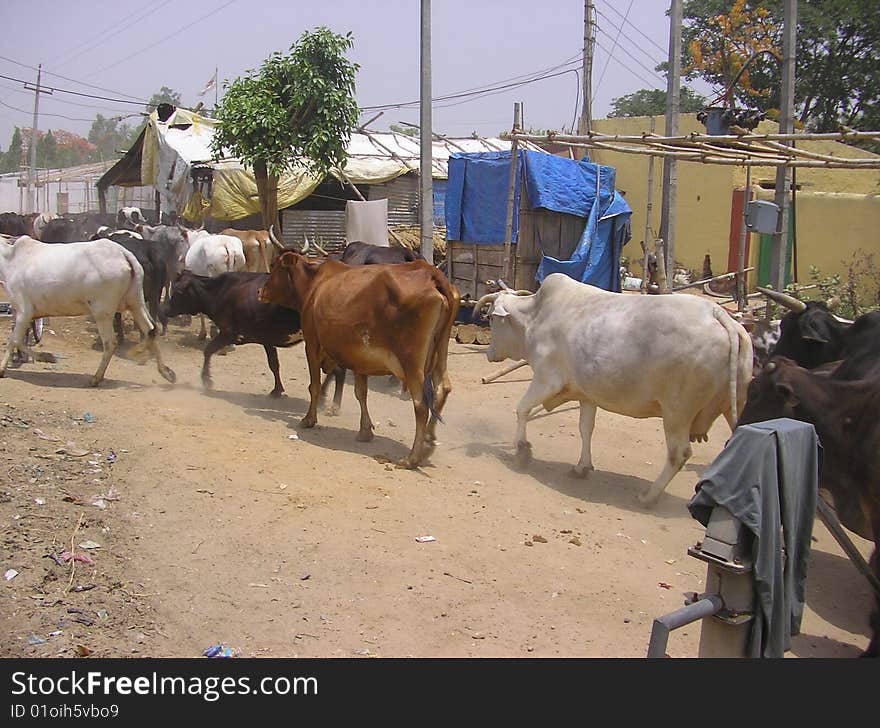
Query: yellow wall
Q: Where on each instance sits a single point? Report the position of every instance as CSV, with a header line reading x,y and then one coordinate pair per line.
x,y
838,211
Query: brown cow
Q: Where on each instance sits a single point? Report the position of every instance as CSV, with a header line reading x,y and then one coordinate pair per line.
x,y
256,246
374,320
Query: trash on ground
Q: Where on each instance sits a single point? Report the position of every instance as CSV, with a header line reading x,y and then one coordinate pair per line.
x,y
111,457
220,651
664,585
88,418
90,545
34,640
425,539
72,450
10,575
83,651
293,437
66,556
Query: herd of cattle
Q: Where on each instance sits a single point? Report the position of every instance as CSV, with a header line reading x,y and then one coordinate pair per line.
x,y
375,311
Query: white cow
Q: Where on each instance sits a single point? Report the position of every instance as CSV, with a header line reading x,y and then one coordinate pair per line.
x,y
678,357
210,255
97,277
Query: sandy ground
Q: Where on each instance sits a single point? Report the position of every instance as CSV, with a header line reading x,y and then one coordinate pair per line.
x,y
218,526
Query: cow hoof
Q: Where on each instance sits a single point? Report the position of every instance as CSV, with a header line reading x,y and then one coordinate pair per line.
x,y
94,382
647,499
168,374
523,453
207,382
365,436
583,473
332,411
276,393
408,463
699,438
309,422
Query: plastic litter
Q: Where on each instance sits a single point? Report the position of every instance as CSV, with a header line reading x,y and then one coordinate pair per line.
x,y
66,556
90,545
88,418
425,539
111,457
34,640
10,575
220,651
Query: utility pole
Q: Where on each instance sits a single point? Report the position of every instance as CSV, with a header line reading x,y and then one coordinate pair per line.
x,y
426,138
33,197
786,126
670,176
586,118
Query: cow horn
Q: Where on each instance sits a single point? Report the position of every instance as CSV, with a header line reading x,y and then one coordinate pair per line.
x,y
321,250
784,299
305,246
274,239
488,298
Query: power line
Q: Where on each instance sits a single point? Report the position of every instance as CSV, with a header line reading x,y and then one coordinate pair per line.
x,y
640,47
636,61
100,36
79,93
162,40
653,84
489,89
60,116
629,22
608,60
72,80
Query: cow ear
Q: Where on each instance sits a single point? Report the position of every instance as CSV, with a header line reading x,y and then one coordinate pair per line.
x,y
498,309
785,392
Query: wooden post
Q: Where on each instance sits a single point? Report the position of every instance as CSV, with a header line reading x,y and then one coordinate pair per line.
x,y
661,266
741,288
507,369
511,194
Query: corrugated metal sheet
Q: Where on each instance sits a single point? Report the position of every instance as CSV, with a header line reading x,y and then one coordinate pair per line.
x,y
326,227
403,199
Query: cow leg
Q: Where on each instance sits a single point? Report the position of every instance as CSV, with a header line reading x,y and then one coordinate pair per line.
x,y
104,323
118,328
338,375
360,391
313,357
587,423
678,452
203,332
416,384
23,318
149,330
540,390
441,394
272,358
213,346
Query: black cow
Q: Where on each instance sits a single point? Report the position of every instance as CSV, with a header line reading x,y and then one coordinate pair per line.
x,y
812,336
11,223
230,301
150,258
844,414
173,246
64,230
358,253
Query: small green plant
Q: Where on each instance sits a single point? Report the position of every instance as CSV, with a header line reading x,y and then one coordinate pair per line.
x,y
851,296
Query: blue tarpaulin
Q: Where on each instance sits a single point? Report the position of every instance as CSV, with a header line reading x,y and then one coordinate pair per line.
x,y
476,208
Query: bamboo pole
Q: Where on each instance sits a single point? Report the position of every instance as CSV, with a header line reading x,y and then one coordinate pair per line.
x,y
507,369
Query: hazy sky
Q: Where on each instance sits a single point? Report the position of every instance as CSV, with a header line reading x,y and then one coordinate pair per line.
x,y
127,50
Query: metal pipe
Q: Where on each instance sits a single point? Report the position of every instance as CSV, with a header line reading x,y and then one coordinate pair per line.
x,y
707,606
828,517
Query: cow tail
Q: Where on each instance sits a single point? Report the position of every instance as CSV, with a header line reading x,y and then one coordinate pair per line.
x,y
440,343
733,360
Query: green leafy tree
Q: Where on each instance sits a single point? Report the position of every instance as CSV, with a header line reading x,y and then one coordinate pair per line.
x,y
296,109
836,59
407,130
109,136
47,151
652,102
164,95
11,160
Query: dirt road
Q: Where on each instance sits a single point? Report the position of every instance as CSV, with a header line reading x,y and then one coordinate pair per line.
x,y
223,522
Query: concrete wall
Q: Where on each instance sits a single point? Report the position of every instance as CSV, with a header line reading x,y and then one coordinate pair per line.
x,y
837,210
